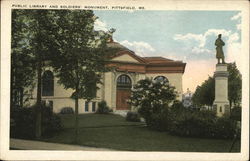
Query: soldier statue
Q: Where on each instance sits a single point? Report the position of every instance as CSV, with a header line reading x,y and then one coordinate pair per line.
x,y
219,52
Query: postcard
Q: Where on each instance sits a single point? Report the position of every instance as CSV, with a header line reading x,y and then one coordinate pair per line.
x,y
125,80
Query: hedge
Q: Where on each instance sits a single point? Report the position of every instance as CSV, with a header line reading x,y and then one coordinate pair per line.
x,y
23,122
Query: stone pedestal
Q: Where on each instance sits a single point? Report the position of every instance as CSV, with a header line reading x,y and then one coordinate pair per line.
x,y
221,103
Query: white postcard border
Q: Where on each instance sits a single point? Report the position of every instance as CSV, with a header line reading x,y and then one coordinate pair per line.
x,y
7,154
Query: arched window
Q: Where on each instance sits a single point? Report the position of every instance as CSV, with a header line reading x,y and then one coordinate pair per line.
x,y
160,79
123,81
47,83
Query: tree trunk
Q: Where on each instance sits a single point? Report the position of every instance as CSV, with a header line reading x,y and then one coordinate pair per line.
x,y
21,97
230,106
11,87
38,110
76,117
39,99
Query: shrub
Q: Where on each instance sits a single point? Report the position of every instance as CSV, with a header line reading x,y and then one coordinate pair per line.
x,y
67,110
51,122
103,108
177,106
23,122
152,98
133,116
159,121
224,128
192,123
236,113
204,124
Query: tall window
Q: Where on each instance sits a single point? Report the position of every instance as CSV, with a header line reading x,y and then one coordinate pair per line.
x,y
86,106
47,83
161,78
93,106
124,81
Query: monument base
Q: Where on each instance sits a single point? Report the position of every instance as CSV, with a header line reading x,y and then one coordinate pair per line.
x,y
221,108
221,103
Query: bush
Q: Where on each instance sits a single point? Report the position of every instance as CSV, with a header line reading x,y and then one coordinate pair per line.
x,y
51,122
192,123
152,98
236,113
159,121
67,110
133,116
224,128
178,106
23,122
103,108
181,121
204,124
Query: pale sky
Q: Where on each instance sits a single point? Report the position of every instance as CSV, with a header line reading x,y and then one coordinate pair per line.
x,y
179,35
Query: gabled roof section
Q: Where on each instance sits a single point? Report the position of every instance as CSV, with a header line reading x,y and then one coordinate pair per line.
x,y
161,64
130,54
116,45
156,60
118,50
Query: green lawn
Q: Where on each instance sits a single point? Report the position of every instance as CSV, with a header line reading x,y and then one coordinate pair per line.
x,y
113,131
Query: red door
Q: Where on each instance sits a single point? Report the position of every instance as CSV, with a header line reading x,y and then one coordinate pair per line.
x,y
123,92
122,96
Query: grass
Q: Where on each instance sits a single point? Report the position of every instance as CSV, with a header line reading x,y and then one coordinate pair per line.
x,y
113,131
96,120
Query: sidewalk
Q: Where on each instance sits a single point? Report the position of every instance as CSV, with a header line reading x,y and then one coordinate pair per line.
x,y
39,145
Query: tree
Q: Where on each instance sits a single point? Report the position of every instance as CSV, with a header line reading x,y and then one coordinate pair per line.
x,y
151,98
22,61
32,43
204,94
234,85
42,44
79,56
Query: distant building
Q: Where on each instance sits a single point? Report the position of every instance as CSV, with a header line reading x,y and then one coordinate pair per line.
x,y
187,98
117,84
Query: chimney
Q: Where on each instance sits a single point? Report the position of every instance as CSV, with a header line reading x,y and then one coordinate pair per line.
x,y
111,31
110,39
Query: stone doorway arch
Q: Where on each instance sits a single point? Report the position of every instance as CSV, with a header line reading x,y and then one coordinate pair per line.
x,y
123,92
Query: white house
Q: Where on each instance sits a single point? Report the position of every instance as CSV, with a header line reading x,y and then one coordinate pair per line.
x,y
187,98
117,84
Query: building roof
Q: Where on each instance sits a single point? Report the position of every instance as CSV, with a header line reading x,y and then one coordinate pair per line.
x,y
152,64
155,60
116,45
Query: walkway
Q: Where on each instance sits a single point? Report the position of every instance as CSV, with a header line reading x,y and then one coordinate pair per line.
x,y
39,145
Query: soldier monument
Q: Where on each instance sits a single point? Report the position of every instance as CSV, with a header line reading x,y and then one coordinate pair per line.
x,y
221,103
